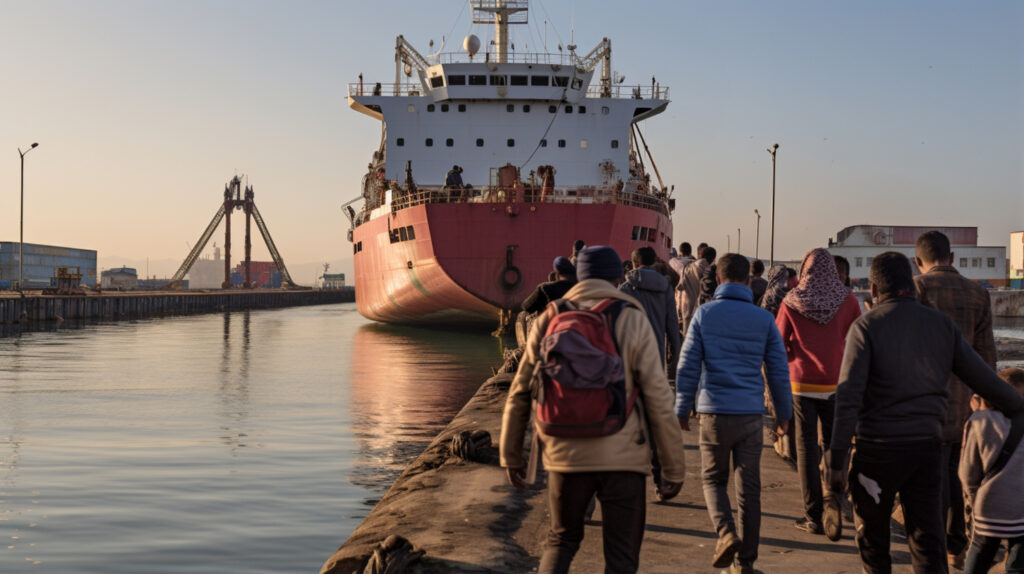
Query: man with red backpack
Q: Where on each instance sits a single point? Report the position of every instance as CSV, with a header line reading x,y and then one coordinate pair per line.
x,y
592,374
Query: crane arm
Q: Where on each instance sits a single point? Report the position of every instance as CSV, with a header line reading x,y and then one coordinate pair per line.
x,y
175,282
601,53
406,54
286,278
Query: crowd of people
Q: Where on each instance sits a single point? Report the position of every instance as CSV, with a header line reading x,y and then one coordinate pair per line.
x,y
901,402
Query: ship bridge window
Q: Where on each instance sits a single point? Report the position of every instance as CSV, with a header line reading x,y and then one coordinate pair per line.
x,y
400,142
511,142
403,234
539,80
518,80
462,107
430,107
561,143
444,107
498,80
561,81
552,109
568,109
581,110
436,81
479,142
526,108
510,108
456,80
577,83
449,142
429,142
478,80
615,144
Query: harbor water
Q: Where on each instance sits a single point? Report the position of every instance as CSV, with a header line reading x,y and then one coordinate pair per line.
x,y
234,442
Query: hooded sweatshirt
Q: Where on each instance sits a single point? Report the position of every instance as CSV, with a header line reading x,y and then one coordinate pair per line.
x,y
655,294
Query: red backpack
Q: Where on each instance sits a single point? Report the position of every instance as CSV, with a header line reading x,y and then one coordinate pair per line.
x,y
579,383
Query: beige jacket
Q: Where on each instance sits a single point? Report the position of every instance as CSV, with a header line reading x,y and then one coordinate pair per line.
x,y
689,289
626,450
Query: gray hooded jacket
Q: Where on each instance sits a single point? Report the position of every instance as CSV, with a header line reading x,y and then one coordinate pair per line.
x,y
654,292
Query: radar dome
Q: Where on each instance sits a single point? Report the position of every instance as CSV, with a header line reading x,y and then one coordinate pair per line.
x,y
471,44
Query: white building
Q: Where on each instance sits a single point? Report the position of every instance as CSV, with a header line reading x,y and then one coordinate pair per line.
x,y
207,273
121,278
1017,255
859,244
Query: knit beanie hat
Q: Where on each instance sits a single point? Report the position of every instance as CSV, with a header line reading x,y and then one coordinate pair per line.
x,y
599,262
564,267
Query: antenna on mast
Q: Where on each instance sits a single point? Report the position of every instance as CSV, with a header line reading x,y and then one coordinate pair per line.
x,y
501,13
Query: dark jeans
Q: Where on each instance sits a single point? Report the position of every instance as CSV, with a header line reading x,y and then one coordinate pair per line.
x,y
809,413
912,469
623,497
982,554
735,439
953,499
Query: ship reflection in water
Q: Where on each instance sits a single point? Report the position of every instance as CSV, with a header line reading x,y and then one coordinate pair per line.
x,y
406,384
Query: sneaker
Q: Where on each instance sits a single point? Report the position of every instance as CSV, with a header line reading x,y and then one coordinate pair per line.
x,y
740,568
808,525
726,549
833,516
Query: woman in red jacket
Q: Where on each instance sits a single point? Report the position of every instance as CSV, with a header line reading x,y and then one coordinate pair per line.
x,y
813,320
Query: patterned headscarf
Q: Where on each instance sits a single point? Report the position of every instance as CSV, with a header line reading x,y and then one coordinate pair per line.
x,y
820,293
778,285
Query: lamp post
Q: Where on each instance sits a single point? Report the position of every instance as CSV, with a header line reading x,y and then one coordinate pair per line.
x,y
757,235
772,150
21,221
739,238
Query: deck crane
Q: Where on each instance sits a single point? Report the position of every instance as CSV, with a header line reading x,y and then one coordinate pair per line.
x,y
234,199
601,53
406,56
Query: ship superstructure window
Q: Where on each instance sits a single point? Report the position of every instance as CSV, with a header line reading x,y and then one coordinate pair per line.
x,y
357,247
577,83
605,111
412,234
403,234
397,235
456,80
991,262
975,261
449,142
552,109
431,107
544,143
479,142
615,144
963,262
436,82
477,80
444,107
561,143
400,142
859,261
641,233
498,80
581,109
429,142
568,109
510,108
412,109
583,144
518,80
511,142
526,108
462,107
561,81
539,80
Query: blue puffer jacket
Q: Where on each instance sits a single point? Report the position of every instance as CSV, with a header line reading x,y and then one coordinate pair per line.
x,y
728,340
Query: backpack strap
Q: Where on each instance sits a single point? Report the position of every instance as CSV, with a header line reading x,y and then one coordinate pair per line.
x,y
1012,440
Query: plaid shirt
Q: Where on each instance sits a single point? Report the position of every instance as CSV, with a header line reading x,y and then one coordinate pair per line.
x,y
969,305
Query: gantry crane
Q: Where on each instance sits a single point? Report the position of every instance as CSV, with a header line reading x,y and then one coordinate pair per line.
x,y
234,199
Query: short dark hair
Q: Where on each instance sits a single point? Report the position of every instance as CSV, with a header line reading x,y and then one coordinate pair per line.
x,y
757,267
700,248
1015,377
733,267
685,248
842,264
709,254
932,247
645,255
891,274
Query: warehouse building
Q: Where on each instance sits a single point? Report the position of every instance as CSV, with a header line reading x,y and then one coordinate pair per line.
x,y
861,243
40,264
122,278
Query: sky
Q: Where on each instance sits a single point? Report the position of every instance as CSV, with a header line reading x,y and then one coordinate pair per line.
x,y
887,113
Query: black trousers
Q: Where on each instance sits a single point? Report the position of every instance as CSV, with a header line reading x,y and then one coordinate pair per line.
x,y
912,469
623,497
953,499
810,413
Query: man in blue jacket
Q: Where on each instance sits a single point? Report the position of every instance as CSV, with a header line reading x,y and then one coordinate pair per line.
x,y
728,340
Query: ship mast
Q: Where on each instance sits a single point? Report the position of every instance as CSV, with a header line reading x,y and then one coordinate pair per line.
x,y
501,13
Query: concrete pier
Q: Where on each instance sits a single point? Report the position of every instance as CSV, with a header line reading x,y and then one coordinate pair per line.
x,y
37,307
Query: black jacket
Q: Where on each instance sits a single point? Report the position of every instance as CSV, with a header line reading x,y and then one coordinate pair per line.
x,y
546,293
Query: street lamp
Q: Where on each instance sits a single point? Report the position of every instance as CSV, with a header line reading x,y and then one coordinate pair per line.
x,y
21,221
757,233
772,150
739,237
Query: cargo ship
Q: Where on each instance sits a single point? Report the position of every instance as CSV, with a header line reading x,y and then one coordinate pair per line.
x,y
492,164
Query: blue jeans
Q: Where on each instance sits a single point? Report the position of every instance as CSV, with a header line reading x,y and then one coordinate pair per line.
x,y
983,550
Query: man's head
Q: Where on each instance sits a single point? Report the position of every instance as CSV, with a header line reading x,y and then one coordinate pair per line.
x,y
891,276
564,268
599,262
685,249
843,267
932,249
1013,376
700,250
643,257
733,268
578,245
757,268
708,253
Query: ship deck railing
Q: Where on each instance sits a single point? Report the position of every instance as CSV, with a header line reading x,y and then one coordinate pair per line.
x,y
617,91
491,196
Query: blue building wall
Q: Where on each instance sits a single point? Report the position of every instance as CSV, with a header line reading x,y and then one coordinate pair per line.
x,y
42,260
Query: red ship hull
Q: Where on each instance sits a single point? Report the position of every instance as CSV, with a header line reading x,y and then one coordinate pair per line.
x,y
467,261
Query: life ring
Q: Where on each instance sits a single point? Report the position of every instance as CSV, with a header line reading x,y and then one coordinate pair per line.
x,y
511,283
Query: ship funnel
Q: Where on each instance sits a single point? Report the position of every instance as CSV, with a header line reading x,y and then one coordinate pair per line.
x,y
471,45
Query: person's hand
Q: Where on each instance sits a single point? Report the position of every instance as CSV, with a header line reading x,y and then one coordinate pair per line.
x,y
836,480
781,428
517,477
668,490
684,423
